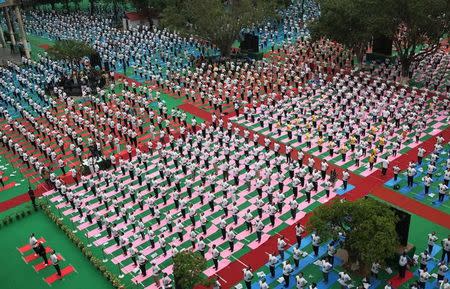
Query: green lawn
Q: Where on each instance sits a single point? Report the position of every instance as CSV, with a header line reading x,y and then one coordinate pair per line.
x,y
16,274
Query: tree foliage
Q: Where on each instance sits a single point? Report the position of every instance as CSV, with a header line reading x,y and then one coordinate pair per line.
x,y
410,23
152,8
217,21
369,227
188,267
70,50
343,22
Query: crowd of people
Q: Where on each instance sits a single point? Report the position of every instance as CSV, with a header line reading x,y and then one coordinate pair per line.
x,y
152,52
351,119
208,181
289,27
220,185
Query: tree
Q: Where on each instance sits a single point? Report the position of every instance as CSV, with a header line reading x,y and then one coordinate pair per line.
x,y
151,8
70,50
343,21
92,7
369,227
412,24
188,267
409,23
217,21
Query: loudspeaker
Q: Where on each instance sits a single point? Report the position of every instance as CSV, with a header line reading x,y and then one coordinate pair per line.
x,y
95,60
402,228
250,43
382,45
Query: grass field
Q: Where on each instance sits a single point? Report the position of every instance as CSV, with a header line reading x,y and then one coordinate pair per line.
x,y
16,274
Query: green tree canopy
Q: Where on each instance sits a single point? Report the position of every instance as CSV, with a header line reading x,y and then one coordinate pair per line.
x,y
188,267
217,21
412,24
369,227
343,22
70,50
152,8
409,23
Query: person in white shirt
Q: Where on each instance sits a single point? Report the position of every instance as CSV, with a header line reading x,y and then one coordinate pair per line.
x,y
142,261
33,243
424,258
301,281
263,283
296,255
345,177
55,262
272,263
156,272
375,269
444,284
423,277
248,276
215,256
446,249
432,238
396,170
442,270
402,263
384,166
167,282
281,244
344,279
331,251
231,235
442,192
326,269
287,270
420,153
315,243
299,230
427,183
133,253
410,172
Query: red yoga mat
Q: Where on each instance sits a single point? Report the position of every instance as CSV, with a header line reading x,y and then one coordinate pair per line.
x,y
32,257
27,247
396,281
64,272
40,266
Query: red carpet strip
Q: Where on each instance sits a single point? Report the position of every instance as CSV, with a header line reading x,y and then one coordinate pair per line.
x,y
413,206
192,109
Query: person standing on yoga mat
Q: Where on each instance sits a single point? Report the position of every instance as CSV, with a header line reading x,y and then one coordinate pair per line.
x,y
55,262
41,252
315,243
142,261
402,262
287,270
32,197
248,277
33,243
446,249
